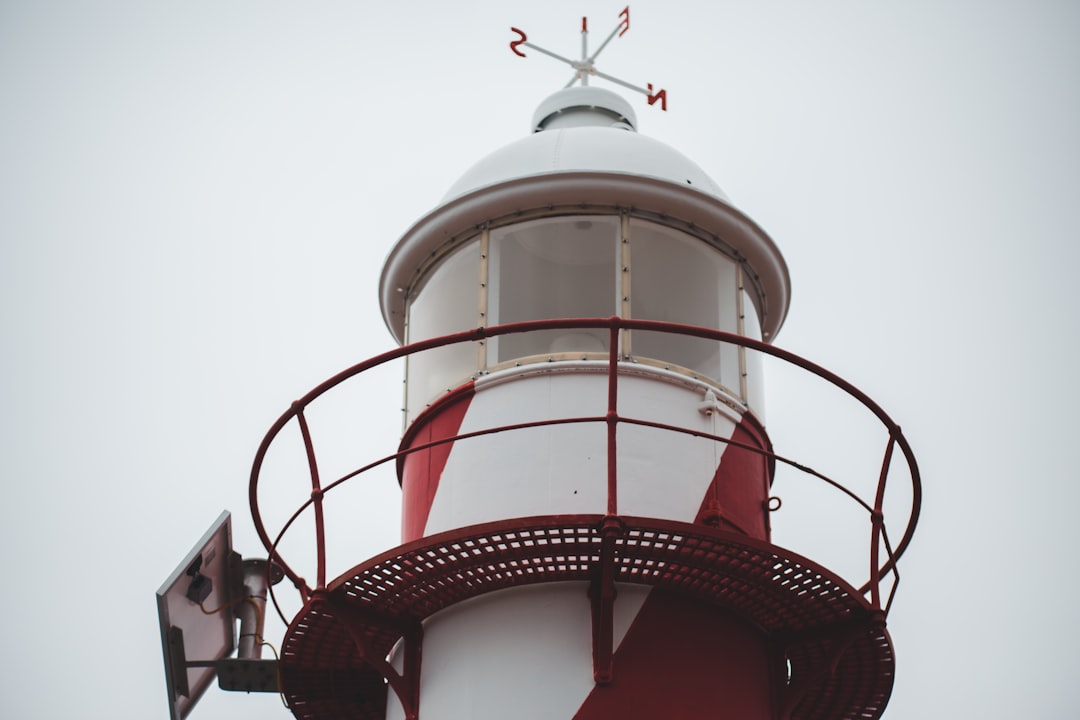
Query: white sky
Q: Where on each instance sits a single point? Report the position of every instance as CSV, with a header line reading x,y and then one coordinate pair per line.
x,y
196,198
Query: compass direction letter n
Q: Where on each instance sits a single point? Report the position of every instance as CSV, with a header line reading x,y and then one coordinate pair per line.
x,y
660,95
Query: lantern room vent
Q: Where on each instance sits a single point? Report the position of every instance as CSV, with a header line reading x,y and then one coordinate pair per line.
x,y
584,107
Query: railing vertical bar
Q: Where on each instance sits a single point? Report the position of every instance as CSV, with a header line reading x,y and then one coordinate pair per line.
x,y
613,417
619,330
877,518
892,568
316,497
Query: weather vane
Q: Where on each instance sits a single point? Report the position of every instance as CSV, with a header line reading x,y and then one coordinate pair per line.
x,y
586,66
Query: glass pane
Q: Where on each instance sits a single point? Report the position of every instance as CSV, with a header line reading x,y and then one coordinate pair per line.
x,y
448,302
679,278
754,385
730,368
553,268
751,322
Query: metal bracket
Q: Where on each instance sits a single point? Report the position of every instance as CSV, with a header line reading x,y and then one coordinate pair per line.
x,y
177,661
602,599
406,684
710,404
243,674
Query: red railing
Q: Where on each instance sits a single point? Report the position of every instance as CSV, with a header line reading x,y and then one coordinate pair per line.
x,y
878,534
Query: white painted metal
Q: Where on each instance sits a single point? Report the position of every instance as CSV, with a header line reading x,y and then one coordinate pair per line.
x,y
527,652
604,108
562,469
524,653
594,149
601,167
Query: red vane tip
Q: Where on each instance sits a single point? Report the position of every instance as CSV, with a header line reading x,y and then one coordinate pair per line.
x,y
514,43
584,24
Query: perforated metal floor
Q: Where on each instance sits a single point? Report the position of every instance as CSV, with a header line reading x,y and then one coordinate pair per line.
x,y
816,616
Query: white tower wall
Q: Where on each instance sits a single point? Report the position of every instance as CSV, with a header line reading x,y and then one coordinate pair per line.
x,y
580,221
585,471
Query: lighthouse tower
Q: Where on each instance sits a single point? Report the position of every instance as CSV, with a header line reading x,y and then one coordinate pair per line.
x,y
585,468
585,218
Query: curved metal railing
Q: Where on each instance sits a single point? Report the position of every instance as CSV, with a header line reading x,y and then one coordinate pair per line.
x,y
879,567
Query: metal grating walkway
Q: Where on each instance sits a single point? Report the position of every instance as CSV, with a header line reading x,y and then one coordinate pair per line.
x,y
819,620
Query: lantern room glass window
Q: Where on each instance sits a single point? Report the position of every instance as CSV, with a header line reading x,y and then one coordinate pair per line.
x,y
676,277
582,266
753,360
553,268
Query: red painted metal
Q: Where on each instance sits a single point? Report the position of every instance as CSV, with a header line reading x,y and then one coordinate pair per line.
x,y
796,603
602,597
733,505
681,659
316,498
660,95
420,471
613,419
877,521
832,635
586,323
520,41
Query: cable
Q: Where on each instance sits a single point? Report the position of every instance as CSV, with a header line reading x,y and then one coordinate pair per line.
x,y
277,658
223,607
258,638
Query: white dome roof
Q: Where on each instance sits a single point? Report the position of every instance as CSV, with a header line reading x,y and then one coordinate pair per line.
x,y
585,151
585,129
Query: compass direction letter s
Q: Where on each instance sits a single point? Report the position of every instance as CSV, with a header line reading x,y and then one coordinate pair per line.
x,y
514,43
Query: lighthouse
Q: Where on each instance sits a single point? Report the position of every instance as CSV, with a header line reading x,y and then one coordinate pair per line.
x,y
585,467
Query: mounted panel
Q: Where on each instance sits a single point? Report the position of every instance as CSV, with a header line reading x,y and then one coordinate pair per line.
x,y
190,629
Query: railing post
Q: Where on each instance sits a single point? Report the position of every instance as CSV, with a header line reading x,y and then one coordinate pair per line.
x,y
877,519
620,329
316,498
612,417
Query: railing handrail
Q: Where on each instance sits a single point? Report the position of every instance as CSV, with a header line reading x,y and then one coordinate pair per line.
x,y
611,418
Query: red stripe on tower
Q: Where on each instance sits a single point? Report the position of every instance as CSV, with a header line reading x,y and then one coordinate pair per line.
x,y
420,471
672,638
684,660
738,495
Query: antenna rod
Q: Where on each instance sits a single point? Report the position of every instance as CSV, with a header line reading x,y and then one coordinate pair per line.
x,y
584,49
605,43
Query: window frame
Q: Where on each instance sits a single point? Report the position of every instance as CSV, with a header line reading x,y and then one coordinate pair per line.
x,y
747,287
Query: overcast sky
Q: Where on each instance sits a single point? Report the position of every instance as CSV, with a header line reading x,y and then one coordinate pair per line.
x,y
195,202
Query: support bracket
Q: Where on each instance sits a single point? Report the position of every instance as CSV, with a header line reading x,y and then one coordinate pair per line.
x,y
602,600
406,684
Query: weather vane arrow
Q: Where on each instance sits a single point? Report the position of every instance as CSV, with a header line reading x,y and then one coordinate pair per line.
x,y
586,66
